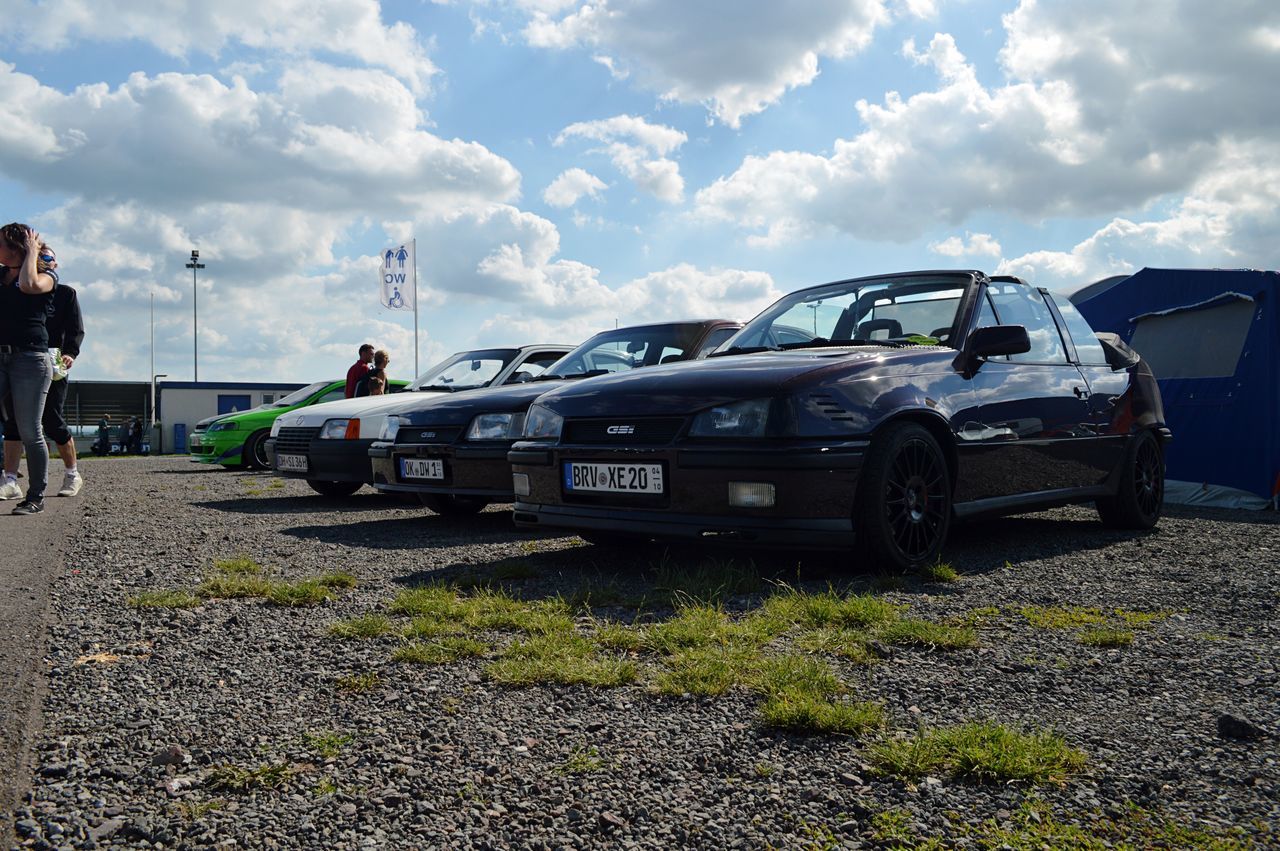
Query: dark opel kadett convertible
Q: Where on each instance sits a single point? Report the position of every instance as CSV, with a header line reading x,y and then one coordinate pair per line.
x,y
865,413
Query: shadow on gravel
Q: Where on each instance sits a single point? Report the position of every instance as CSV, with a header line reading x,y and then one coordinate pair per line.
x,y
412,531
982,546
301,505
1223,515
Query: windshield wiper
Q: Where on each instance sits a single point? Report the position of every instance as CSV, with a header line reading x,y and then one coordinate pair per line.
x,y
823,342
743,350
591,373
447,388
547,376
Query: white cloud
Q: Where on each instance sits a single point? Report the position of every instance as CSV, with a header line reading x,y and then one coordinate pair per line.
x,y
351,28
972,245
570,186
737,58
638,149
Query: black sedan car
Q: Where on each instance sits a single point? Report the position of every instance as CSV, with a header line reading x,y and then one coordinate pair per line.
x,y
453,452
912,399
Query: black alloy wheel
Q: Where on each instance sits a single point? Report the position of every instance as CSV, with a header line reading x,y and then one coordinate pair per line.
x,y
453,506
1139,498
253,454
334,490
903,508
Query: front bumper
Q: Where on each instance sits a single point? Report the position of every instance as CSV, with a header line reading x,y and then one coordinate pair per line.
x,y
480,469
814,487
205,448
327,460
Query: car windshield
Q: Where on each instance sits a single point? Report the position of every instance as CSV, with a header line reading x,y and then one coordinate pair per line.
x,y
626,348
297,397
465,370
899,311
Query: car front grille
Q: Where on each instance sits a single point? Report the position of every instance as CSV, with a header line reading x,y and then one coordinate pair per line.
x,y
428,434
633,431
295,441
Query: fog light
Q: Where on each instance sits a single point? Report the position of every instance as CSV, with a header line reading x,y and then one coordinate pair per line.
x,y
520,484
751,495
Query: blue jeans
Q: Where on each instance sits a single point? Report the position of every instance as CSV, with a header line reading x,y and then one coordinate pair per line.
x,y
24,378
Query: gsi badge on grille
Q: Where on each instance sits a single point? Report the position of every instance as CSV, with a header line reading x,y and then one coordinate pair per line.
x,y
621,429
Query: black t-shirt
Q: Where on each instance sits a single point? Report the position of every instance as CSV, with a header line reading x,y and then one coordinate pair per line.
x,y
22,315
65,325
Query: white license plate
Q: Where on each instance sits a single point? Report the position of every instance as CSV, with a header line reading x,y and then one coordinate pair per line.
x,y
293,463
421,468
613,478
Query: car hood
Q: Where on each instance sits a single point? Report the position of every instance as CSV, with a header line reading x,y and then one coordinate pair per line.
x,y
347,408
460,408
695,385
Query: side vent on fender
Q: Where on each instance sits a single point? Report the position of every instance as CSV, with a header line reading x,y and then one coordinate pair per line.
x,y
830,408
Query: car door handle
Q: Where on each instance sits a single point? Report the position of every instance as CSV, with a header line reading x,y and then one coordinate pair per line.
x,y
1080,394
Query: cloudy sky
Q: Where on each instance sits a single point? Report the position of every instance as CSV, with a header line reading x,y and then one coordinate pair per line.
x,y
565,165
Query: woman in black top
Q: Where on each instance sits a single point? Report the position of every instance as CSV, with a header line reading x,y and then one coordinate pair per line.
x,y
26,287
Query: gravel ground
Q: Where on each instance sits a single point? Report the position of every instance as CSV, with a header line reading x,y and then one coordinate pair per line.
x,y
143,706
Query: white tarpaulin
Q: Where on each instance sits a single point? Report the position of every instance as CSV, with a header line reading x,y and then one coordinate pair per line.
x,y
397,277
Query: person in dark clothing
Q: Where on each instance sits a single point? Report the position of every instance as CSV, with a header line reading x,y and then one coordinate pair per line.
x,y
380,361
359,369
133,442
65,327
26,289
103,444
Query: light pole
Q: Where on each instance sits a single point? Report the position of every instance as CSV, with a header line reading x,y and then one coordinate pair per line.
x,y
195,314
154,378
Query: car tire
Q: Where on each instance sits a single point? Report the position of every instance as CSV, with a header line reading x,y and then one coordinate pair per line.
x,y
453,506
334,490
902,511
1139,498
253,455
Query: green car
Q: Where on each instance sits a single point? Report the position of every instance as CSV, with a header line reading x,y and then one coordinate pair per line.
x,y
239,440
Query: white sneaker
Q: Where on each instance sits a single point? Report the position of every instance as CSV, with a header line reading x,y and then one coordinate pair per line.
x,y
71,483
10,490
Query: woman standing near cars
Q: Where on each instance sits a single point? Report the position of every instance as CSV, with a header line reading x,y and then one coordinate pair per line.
x,y
26,288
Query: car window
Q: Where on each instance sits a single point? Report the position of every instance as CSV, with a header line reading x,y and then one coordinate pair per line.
x,y
465,370
628,348
533,367
1017,304
1088,349
332,396
987,318
714,339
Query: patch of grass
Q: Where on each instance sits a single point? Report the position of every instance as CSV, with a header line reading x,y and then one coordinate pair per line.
x,y
327,744
706,670
448,649
427,626
359,683
251,491
981,752
975,618
196,810
584,760
566,659
851,644
939,572
1141,620
828,609
1211,636
337,580
168,599
709,582
487,608
231,586
1059,617
365,626
920,633
324,787
275,484
799,692
238,566
307,592
235,778
1104,637
437,601
893,828
617,636
693,625
765,769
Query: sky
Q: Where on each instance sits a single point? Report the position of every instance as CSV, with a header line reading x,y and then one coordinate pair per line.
x,y
565,166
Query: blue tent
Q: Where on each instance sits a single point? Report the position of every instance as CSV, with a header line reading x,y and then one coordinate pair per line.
x,y
1212,337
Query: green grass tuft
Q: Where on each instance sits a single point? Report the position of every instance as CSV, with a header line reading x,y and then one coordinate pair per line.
x,y
231,586
584,760
709,582
307,592
337,580
565,659
920,633
443,651
238,566
1104,637
365,626
804,713
1059,617
980,752
327,744
234,778
168,599
939,572
359,683
707,670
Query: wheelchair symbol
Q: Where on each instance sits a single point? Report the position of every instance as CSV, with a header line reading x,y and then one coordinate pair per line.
x,y
396,300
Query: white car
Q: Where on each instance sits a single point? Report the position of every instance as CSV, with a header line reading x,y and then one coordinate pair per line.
x,y
328,444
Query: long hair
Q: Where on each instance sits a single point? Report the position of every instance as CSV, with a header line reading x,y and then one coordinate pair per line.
x,y
14,235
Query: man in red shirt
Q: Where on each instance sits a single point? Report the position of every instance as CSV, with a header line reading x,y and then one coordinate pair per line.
x,y
358,369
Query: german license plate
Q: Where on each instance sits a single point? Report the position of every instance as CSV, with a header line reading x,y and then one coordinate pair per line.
x,y
613,478
421,468
292,463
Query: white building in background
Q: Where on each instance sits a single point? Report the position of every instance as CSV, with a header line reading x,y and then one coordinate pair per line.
x,y
182,404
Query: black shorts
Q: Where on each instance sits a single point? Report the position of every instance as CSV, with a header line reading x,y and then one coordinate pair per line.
x,y
55,424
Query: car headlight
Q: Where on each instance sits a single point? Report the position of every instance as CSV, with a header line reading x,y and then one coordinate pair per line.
x,y
542,424
390,428
496,427
223,427
340,430
741,419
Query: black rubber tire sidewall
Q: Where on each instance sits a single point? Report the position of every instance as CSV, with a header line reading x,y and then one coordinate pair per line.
x,y
334,490
249,452
1123,510
874,536
453,506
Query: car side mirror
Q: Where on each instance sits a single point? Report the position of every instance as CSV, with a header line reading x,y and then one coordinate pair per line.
x,y
995,340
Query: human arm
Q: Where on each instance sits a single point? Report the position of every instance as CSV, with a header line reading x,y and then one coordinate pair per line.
x,y
72,329
30,279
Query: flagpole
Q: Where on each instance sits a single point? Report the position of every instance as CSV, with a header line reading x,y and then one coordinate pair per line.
x,y
415,307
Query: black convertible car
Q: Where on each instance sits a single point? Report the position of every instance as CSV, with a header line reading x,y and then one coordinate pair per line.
x,y
865,413
452,452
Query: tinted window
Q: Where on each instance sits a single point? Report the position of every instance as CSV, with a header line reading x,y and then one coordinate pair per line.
x,y
1021,305
533,367
627,348
332,396
714,339
1088,349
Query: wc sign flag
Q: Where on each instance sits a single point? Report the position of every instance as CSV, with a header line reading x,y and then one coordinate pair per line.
x,y
398,276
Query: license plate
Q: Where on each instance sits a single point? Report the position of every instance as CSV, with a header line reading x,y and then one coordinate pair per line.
x,y
293,463
613,478
421,468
